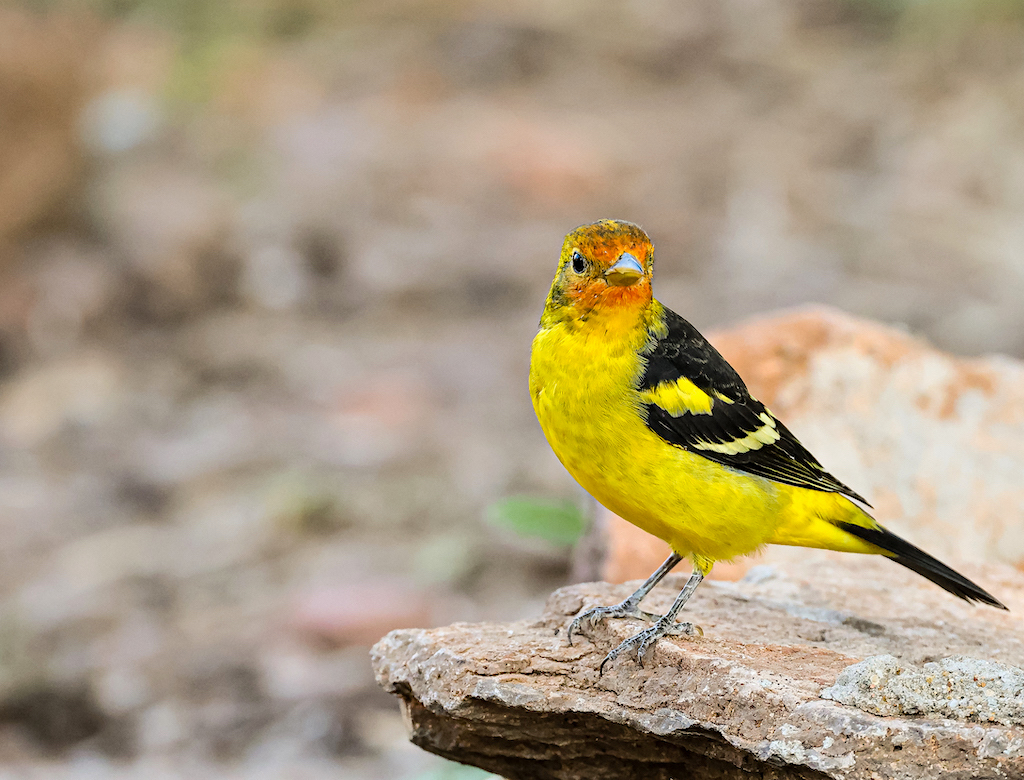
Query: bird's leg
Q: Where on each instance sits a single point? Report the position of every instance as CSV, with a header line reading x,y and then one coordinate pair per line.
x,y
666,626
628,608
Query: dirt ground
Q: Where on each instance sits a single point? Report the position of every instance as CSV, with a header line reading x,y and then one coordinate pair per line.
x,y
270,271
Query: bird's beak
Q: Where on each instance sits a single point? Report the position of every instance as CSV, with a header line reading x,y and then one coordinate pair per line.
x,y
626,271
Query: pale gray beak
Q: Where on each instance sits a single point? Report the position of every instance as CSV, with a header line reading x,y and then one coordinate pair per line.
x,y
626,271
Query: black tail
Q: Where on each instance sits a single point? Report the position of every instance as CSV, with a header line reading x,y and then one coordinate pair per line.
x,y
915,559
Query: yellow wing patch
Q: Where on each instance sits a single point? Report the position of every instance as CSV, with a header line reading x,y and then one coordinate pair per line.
x,y
684,397
679,397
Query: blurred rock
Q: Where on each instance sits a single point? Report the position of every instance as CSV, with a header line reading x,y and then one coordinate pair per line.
x,y
121,691
288,89
379,419
274,277
550,162
484,54
301,673
84,389
171,225
214,434
120,120
44,82
55,716
229,708
162,726
73,287
744,699
935,442
358,614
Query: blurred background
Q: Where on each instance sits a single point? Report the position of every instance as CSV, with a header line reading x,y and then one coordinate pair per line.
x,y
269,271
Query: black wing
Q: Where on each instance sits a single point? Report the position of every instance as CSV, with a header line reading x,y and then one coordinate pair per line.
x,y
695,400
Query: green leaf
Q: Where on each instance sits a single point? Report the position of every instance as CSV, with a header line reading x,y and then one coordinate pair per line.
x,y
558,522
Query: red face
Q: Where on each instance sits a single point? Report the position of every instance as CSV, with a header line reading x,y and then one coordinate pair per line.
x,y
606,264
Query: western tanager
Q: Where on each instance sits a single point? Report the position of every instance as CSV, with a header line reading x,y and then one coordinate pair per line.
x,y
653,422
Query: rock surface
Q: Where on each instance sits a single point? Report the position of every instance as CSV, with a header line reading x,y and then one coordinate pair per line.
x,y
933,441
958,687
758,696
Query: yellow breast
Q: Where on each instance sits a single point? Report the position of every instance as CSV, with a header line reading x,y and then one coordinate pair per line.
x,y
583,379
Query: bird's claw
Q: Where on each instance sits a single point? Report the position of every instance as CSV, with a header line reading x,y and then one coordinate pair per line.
x,y
645,640
592,617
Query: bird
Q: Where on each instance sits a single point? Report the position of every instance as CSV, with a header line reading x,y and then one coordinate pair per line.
x,y
655,424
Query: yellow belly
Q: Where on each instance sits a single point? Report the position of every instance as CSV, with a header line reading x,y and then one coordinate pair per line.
x,y
582,388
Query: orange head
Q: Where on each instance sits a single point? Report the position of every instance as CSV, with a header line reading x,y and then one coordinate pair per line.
x,y
605,266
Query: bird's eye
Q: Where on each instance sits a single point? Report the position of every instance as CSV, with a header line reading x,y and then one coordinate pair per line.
x,y
578,263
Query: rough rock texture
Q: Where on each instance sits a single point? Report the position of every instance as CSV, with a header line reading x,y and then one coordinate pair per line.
x,y
746,700
935,442
959,687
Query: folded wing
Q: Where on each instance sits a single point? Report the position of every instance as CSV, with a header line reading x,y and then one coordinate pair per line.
x,y
695,400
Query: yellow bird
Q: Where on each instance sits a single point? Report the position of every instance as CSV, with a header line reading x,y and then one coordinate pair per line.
x,y
654,423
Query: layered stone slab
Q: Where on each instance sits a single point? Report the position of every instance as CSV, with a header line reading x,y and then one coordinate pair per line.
x,y
755,697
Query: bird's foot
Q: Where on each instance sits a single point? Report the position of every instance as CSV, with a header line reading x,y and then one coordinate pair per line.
x,y
592,617
645,640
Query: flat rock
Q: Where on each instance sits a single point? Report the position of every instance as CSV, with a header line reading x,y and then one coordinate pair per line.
x,y
759,695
